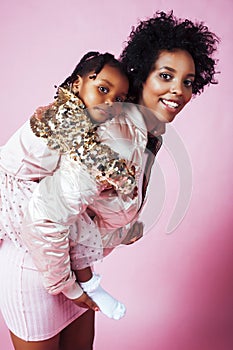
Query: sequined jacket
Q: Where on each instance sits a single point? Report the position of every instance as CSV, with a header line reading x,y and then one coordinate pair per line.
x,y
66,125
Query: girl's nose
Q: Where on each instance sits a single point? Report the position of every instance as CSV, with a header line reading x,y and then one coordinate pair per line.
x,y
109,102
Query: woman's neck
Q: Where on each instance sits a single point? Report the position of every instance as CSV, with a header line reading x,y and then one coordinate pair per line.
x,y
151,121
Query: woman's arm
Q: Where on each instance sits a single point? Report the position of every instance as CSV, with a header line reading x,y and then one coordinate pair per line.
x,y
54,206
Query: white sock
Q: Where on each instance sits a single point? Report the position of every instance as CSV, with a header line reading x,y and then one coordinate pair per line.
x,y
107,304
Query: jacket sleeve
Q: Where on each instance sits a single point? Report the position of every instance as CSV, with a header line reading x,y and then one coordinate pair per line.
x,y
129,140
54,206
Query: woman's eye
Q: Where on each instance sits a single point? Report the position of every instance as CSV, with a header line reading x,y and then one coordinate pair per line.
x,y
165,76
188,83
103,89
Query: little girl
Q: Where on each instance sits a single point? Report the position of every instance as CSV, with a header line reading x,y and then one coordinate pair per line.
x,y
46,189
68,126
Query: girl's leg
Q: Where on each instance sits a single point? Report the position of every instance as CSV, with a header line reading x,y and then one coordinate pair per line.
x,y
79,335
49,344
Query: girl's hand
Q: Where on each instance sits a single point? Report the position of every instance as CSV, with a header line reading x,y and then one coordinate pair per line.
x,y
134,233
86,302
108,192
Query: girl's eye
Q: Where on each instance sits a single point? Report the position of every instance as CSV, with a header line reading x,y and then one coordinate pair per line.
x,y
165,76
120,99
188,83
103,89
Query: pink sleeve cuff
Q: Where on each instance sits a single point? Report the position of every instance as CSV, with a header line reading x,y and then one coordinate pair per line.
x,y
73,292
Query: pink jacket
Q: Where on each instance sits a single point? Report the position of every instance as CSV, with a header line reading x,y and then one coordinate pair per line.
x,y
52,232
55,234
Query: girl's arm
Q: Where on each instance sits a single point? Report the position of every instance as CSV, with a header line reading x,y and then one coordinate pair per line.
x,y
117,214
126,135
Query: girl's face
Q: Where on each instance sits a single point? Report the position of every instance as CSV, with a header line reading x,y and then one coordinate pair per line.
x,y
99,94
168,87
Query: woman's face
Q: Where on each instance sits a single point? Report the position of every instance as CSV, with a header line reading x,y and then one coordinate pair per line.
x,y
168,87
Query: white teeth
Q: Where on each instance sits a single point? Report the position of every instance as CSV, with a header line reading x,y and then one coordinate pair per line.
x,y
170,103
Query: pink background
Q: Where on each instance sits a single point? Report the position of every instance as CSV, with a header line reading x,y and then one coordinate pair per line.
x,y
177,287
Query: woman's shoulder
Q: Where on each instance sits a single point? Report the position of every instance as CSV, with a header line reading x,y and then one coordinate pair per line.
x,y
135,116
129,124
126,134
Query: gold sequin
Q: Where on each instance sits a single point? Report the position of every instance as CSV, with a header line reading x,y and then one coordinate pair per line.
x,y
66,126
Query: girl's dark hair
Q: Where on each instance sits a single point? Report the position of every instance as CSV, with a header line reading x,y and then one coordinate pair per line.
x,y
93,62
166,32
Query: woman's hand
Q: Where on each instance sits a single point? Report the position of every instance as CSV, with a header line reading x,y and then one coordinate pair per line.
x,y
86,302
134,233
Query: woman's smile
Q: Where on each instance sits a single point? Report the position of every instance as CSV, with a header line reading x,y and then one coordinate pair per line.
x,y
171,104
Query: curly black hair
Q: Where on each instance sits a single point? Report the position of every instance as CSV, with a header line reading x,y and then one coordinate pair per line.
x,y
166,32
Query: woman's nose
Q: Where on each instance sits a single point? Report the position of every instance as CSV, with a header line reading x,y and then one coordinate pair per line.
x,y
177,88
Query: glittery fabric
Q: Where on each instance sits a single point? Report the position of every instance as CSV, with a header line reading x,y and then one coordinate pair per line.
x,y
65,125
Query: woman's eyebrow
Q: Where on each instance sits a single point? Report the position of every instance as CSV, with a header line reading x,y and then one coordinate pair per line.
x,y
174,71
168,68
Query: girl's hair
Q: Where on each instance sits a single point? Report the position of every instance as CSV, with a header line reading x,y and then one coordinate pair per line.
x,y
166,32
93,62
